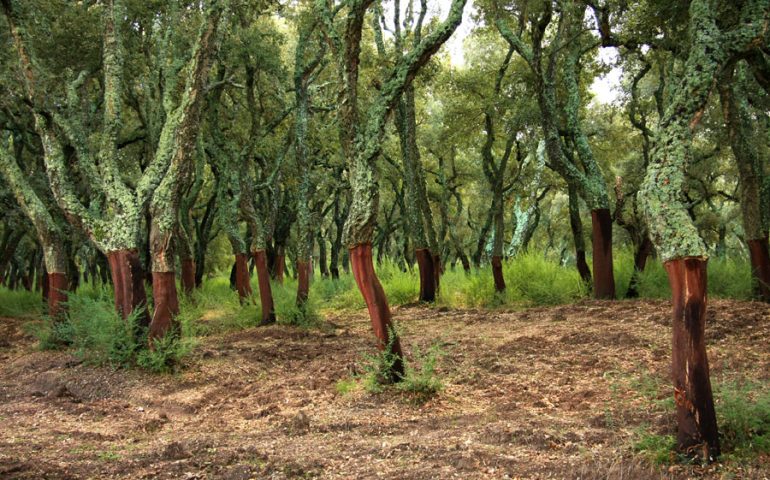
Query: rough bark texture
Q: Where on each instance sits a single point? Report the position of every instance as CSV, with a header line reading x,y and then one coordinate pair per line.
x,y
279,265
697,432
303,285
57,294
166,305
242,283
760,268
497,273
427,275
188,275
265,291
604,278
377,304
576,225
128,281
582,266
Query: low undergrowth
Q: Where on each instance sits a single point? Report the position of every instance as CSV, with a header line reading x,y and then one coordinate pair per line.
x,y
420,382
743,418
96,334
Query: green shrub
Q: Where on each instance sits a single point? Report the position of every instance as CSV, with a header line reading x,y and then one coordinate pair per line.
x,y
99,336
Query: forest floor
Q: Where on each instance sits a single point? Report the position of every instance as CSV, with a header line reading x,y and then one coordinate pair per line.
x,y
558,392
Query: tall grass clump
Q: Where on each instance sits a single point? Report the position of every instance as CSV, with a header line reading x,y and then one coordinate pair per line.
x,y
537,281
728,277
286,310
20,303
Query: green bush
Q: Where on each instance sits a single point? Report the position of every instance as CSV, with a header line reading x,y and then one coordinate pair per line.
x,y
99,336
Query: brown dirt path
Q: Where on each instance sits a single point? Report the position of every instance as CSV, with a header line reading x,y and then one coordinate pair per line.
x,y
541,393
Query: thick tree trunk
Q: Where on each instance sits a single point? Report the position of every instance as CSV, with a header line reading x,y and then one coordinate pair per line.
x,y
265,291
379,312
188,275
242,281
279,265
323,264
760,268
438,269
641,255
57,287
128,281
697,425
166,305
497,273
582,267
303,284
604,277
427,275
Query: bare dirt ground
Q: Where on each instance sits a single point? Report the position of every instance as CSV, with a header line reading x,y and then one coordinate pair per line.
x,y
539,393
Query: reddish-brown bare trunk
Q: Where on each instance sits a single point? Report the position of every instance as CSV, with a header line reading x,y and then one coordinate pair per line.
x,y
437,271
166,305
128,282
57,288
242,281
582,267
604,278
303,285
265,292
497,273
188,275
379,313
760,268
427,275
697,424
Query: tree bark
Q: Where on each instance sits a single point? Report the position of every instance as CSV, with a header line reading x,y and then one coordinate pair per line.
x,y
697,425
57,295
188,275
377,305
128,282
303,284
760,267
242,281
641,255
166,305
604,277
497,273
265,291
427,275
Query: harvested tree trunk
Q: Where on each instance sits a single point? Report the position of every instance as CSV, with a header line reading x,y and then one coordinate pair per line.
x,y
377,305
697,430
303,284
604,277
166,305
760,267
497,273
242,282
427,274
188,275
57,287
265,291
128,282
437,270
